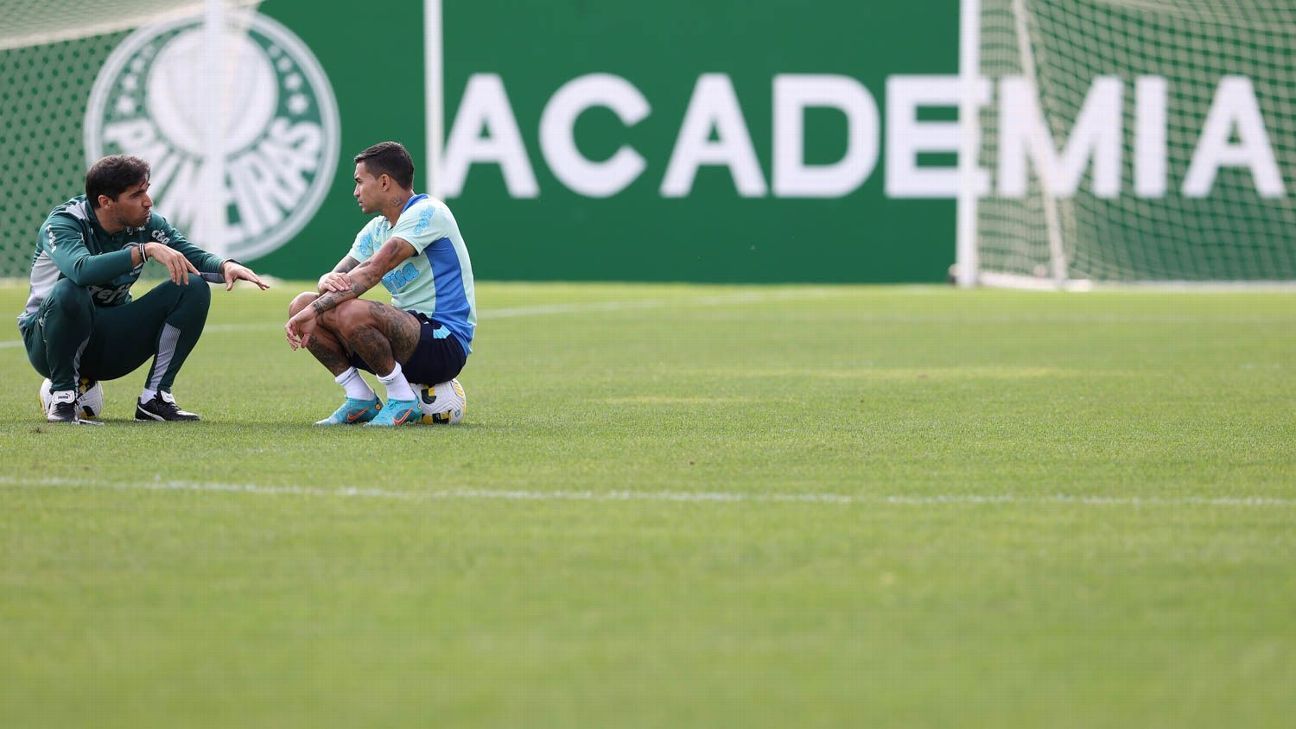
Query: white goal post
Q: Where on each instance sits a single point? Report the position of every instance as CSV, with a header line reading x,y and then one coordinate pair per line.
x,y
1127,142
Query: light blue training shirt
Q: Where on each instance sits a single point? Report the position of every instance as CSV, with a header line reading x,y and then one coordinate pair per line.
x,y
437,281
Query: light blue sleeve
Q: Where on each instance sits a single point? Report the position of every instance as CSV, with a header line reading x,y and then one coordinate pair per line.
x,y
421,226
363,247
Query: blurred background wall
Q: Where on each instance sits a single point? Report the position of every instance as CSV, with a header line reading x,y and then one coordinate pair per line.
x,y
596,197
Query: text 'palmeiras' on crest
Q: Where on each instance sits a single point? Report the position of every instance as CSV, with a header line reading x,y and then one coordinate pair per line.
x,y
242,151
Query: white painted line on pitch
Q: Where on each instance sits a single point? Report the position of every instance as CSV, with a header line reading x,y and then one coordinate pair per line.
x,y
745,297
656,496
754,297
750,297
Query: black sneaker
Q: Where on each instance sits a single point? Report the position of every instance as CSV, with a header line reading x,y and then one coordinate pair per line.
x,y
63,409
162,407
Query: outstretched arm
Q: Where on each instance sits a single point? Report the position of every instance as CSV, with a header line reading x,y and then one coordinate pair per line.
x,y
172,249
233,271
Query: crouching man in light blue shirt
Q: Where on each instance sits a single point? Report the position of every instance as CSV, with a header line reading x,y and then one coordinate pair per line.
x,y
414,248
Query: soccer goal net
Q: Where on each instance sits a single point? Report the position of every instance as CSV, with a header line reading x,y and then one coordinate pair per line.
x,y
51,54
1131,141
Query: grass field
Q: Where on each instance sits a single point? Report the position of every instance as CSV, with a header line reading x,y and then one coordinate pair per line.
x,y
677,506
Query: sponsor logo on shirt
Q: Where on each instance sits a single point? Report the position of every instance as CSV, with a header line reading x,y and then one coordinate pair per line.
x,y
399,278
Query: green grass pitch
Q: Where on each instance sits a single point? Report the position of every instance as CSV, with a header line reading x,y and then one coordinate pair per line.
x,y
680,506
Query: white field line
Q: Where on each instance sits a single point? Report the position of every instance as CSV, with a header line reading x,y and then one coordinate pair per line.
x,y
745,297
835,499
574,308
752,297
758,297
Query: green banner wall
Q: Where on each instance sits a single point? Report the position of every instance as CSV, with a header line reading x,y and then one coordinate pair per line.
x,y
542,101
376,71
713,233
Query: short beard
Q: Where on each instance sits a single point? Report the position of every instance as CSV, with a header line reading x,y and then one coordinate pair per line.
x,y
123,222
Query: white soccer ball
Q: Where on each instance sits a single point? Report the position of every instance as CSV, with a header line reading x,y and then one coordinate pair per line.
x,y
90,398
443,404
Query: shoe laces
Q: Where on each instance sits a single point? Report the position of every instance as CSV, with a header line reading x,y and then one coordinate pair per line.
x,y
165,402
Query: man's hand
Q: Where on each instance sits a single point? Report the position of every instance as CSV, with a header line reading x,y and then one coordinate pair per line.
x,y
300,328
178,267
235,271
334,281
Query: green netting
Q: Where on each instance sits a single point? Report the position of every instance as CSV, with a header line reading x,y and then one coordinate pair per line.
x,y
43,92
1233,234
50,54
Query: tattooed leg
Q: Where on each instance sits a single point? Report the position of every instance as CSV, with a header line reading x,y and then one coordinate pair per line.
x,y
324,344
381,335
329,351
400,327
373,348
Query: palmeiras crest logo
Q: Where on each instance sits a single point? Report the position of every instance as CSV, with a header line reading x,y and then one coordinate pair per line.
x,y
241,132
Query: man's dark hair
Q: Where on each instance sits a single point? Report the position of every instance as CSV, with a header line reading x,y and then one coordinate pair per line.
x,y
112,175
389,158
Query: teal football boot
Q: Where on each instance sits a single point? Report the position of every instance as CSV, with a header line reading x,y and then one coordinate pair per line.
x,y
397,412
353,411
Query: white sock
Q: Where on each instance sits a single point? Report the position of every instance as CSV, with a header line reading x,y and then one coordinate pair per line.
x,y
398,387
355,385
147,395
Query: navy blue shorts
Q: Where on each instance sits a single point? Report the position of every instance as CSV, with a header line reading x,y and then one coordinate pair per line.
x,y
438,356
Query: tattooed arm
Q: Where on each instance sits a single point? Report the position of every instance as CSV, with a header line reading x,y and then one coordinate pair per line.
x,y
336,279
366,275
357,280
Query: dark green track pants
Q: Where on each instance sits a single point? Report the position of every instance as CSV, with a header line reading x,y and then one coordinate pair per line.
x,y
70,337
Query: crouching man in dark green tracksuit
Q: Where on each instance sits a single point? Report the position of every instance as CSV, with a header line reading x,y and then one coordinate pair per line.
x,y
80,321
